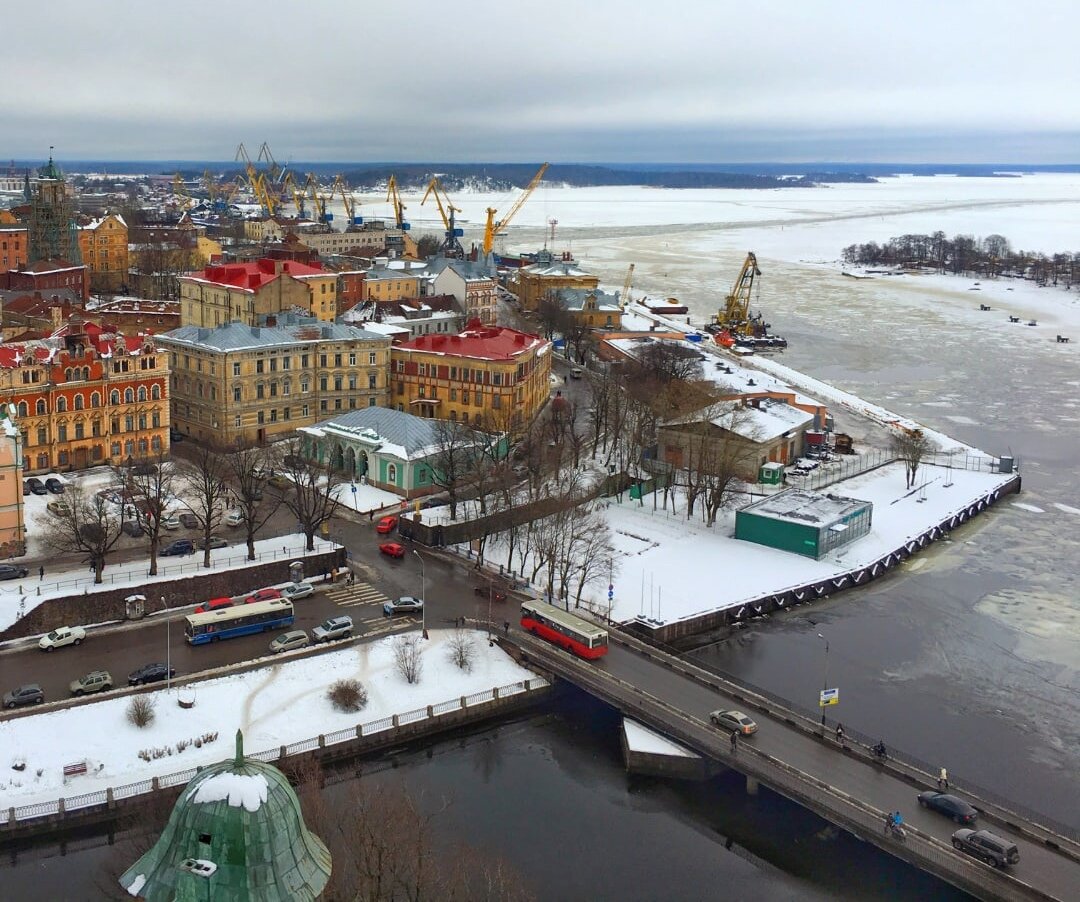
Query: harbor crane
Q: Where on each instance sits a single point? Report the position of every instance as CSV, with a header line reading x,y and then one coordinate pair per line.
x,y
625,299
180,189
299,198
451,247
493,226
340,187
735,317
394,199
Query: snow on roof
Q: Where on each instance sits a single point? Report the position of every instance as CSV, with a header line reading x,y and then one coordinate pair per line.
x,y
239,790
290,330
391,432
771,420
800,506
478,341
137,885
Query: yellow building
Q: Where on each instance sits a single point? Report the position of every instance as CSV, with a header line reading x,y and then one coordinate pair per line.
x,y
249,292
383,283
103,244
493,377
548,276
239,382
12,510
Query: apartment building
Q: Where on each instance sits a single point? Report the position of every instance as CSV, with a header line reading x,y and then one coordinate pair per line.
x,y
103,244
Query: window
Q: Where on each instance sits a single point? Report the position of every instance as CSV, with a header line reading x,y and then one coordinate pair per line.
x,y
129,396
24,409
323,406
337,383
304,411
236,369
260,417
286,413
236,422
259,389
273,414
273,389
421,369
96,428
371,401
337,403
155,392
237,393
286,387
372,380
464,397
114,397
303,361
61,433
114,449
40,406
401,388
62,459
322,360
352,381
95,400
371,359
42,435
80,430
337,360
129,423
323,383
142,421
142,393
273,364
115,424
305,386
258,366
352,359
391,473
155,420
61,404
155,443
286,363
453,394
496,402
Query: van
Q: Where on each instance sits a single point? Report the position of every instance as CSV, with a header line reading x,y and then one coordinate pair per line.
x,y
986,846
576,372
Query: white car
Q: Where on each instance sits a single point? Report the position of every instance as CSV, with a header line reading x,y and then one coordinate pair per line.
x,y
295,591
234,518
61,636
171,522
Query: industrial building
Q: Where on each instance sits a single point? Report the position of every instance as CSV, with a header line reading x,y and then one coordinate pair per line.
x,y
805,523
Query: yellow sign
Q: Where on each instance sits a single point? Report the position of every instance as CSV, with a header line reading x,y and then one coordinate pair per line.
x,y
829,697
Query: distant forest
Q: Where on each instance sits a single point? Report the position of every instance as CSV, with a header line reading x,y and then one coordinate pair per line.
x,y
965,255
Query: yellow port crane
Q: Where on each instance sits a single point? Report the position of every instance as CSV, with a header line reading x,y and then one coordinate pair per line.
x,y
625,299
394,199
735,317
493,227
180,189
342,188
318,200
299,199
451,247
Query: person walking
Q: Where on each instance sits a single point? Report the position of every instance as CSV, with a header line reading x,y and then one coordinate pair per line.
x,y
506,627
734,741
840,733
943,781
41,572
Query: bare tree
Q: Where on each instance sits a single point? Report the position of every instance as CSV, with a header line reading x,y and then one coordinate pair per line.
x,y
462,650
594,555
248,466
312,497
407,657
88,523
149,481
911,446
453,460
206,488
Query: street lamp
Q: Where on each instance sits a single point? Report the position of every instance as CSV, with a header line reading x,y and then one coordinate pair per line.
x,y
825,678
423,583
168,644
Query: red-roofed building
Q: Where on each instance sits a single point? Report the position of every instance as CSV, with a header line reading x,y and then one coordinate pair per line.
x,y
86,397
248,292
490,376
48,275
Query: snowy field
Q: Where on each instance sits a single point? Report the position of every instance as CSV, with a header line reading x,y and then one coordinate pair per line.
x,y
274,706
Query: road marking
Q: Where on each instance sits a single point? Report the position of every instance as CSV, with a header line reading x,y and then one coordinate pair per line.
x,y
358,594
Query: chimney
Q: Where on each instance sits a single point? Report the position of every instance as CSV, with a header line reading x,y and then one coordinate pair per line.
x,y
256,331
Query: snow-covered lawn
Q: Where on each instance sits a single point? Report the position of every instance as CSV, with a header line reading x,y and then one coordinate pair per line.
x,y
18,597
282,703
362,497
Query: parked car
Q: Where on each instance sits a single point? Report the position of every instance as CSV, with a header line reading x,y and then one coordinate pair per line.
x,y
61,636
26,488
986,846
94,681
407,604
288,641
733,722
171,522
386,525
279,482
175,435
334,628
10,571
131,528
54,485
296,591
213,604
496,594
180,546
213,542
150,673
392,549
576,372
144,469
234,518
188,520
262,595
30,694
949,805
37,487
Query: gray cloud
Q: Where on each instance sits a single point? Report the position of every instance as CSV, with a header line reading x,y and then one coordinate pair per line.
x,y
606,80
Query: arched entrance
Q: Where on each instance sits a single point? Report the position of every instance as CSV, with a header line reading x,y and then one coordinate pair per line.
x,y
337,462
363,464
350,462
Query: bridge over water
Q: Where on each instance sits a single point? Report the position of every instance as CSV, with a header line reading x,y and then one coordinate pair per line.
x,y
790,755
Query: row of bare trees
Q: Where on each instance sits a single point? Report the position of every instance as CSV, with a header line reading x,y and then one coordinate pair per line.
x,y
205,487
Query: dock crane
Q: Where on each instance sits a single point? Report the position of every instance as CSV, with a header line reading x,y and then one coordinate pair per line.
x,y
451,247
625,299
394,198
318,200
180,189
735,317
493,226
299,198
342,188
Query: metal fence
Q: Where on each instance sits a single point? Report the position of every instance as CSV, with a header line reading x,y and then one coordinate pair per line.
x,y
843,467
106,796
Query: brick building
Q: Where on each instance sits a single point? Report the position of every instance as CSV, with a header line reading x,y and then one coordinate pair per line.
x,y
103,243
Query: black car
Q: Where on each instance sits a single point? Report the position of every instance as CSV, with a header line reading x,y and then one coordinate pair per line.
x,y
29,694
986,846
188,520
54,485
144,469
180,546
8,571
175,435
36,486
131,528
949,805
150,673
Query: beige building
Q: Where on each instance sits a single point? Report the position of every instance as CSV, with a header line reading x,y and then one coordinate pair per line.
x,y
473,287
249,292
548,276
103,243
12,510
239,382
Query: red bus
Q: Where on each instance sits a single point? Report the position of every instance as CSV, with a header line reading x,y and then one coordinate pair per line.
x,y
584,639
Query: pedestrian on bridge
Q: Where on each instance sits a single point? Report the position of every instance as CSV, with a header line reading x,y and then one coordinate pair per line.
x,y
734,741
943,781
840,733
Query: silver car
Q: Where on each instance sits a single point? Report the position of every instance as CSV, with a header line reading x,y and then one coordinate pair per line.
x,y
288,641
734,721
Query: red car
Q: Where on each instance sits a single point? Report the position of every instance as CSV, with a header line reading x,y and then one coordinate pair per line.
x,y
213,604
386,525
393,549
262,595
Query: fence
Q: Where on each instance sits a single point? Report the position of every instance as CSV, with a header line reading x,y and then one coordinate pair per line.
x,y
108,796
842,468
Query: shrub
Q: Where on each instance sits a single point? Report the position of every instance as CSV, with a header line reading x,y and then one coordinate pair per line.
x,y
462,650
348,695
140,711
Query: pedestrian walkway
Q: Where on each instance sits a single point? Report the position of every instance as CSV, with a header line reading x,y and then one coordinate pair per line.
x,y
357,594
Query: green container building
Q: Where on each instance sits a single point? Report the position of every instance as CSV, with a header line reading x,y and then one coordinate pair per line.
x,y
806,523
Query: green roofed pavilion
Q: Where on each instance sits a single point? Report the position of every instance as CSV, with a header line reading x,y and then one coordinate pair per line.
x,y
236,833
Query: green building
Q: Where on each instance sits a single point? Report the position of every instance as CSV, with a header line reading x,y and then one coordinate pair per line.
x,y
236,834
804,522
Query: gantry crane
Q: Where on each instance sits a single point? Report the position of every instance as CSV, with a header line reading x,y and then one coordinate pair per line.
x,y
342,188
394,199
318,200
451,247
299,200
735,317
492,227
625,299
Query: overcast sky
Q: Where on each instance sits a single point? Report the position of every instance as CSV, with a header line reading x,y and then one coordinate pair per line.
x,y
589,80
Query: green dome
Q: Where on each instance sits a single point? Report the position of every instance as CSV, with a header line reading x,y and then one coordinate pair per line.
x,y
237,826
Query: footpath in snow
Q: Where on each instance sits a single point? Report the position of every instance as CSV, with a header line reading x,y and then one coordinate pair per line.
x,y
282,703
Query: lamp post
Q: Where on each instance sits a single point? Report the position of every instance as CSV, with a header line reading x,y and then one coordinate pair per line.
x,y
423,584
168,644
825,678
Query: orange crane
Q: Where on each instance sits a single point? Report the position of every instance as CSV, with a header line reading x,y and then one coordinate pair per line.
x,y
493,226
451,247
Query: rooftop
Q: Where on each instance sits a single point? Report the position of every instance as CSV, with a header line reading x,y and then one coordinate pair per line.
x,y
289,329
388,430
801,506
253,276
478,341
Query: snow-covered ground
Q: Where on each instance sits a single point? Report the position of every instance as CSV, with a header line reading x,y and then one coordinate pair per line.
x,y
641,739
274,706
363,498
18,597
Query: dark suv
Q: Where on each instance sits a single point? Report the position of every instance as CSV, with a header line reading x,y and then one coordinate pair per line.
x,y
29,694
180,546
987,846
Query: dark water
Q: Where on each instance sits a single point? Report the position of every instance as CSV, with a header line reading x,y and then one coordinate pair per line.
x,y
549,795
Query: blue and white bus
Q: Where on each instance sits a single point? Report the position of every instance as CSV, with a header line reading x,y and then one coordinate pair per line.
x,y
238,620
